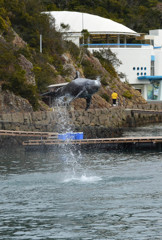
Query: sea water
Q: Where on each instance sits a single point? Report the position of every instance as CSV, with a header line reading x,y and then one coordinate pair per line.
x,y
100,195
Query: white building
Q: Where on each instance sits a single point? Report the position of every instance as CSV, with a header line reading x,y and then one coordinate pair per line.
x,y
141,63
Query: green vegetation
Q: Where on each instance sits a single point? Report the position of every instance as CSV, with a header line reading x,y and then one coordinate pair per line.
x,y
85,37
127,94
44,75
104,81
106,97
108,60
89,69
13,77
4,21
73,50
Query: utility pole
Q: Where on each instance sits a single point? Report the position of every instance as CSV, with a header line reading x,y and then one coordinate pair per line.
x,y
82,21
40,43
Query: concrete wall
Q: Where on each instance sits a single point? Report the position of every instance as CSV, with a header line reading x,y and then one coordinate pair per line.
x,y
135,62
94,123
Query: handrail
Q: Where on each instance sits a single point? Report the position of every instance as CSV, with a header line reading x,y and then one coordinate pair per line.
x,y
116,45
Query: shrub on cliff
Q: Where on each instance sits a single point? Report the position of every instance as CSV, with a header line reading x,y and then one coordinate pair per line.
x,y
108,60
127,94
89,69
106,97
12,77
17,84
29,22
44,76
4,21
73,49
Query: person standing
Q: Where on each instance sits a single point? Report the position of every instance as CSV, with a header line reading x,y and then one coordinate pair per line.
x,y
114,97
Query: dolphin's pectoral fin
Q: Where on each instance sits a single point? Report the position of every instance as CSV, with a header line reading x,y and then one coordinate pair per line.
x,y
77,96
88,100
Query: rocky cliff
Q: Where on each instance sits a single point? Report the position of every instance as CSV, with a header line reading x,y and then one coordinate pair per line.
x,y
9,103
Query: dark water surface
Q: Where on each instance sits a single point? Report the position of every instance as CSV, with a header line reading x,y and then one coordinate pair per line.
x,y
148,130
89,195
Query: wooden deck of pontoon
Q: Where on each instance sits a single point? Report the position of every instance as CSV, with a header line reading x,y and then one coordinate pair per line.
x,y
28,134
156,139
51,139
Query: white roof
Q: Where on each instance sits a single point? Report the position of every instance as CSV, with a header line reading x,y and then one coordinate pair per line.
x,y
94,24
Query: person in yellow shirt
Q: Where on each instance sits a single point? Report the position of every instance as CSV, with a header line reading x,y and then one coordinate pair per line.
x,y
114,97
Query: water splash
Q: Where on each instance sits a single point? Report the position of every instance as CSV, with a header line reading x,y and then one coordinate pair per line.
x,y
64,121
82,179
70,155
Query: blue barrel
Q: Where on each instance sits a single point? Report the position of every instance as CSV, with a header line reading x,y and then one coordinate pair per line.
x,y
62,136
72,136
68,135
79,135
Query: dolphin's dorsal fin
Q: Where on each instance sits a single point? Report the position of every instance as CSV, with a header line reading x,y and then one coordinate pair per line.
x,y
98,78
77,75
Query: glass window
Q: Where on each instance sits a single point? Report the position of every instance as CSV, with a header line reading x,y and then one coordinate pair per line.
x,y
152,58
137,74
141,73
145,68
152,68
134,68
137,68
153,91
141,68
145,73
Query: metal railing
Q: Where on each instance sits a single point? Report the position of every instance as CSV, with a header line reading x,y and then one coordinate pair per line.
x,y
115,45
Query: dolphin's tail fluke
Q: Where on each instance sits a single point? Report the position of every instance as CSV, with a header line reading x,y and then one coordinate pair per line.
x,y
55,94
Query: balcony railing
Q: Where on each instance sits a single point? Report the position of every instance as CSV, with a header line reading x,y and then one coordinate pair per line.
x,y
115,45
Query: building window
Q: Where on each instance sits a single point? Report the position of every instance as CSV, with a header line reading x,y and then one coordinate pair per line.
x,y
137,68
141,68
145,73
145,68
152,58
137,74
134,68
152,70
153,91
141,73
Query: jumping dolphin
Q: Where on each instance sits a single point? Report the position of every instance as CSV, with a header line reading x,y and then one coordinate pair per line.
x,y
77,88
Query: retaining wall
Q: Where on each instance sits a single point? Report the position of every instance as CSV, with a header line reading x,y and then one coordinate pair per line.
x,y
94,123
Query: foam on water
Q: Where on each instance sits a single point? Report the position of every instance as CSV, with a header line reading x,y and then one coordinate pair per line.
x,y
82,179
